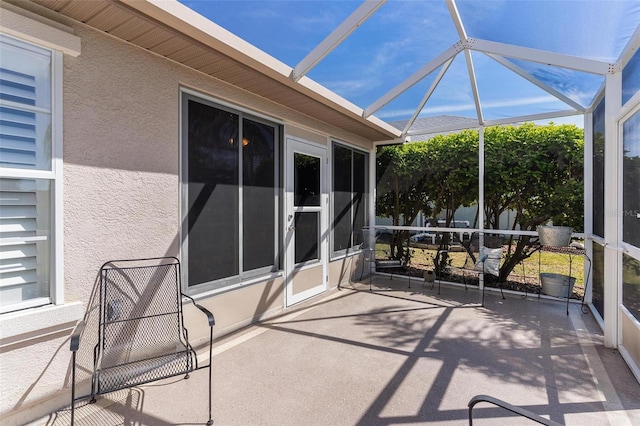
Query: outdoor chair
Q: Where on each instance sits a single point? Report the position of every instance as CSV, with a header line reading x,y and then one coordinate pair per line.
x,y
141,335
479,260
374,242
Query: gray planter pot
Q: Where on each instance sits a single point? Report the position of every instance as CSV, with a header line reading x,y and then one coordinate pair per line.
x,y
429,276
557,285
555,236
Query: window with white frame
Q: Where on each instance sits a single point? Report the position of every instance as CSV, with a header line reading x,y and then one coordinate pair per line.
x,y
27,174
350,173
230,193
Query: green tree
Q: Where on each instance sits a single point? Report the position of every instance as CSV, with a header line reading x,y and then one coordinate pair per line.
x,y
537,172
401,177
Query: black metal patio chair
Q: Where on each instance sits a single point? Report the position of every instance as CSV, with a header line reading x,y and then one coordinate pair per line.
x,y
376,251
141,332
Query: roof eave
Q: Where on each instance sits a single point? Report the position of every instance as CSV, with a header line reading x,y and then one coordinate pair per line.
x,y
188,22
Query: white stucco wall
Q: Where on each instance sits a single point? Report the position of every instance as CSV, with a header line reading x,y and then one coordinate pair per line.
x,y
121,197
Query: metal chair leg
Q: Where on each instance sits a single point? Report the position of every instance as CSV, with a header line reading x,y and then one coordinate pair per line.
x,y
210,421
73,388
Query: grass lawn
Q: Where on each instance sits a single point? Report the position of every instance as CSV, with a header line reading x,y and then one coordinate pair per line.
x,y
526,278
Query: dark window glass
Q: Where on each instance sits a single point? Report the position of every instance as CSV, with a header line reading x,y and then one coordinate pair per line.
x,y
359,192
342,175
230,166
631,180
349,197
306,180
258,194
598,170
597,292
307,238
631,285
212,193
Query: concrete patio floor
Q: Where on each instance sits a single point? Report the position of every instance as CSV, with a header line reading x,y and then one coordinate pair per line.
x,y
395,356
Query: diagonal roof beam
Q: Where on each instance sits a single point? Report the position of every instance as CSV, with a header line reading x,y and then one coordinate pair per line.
x,y
540,56
426,97
522,73
413,79
336,37
457,21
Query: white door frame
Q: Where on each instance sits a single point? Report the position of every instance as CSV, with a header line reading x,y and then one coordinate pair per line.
x,y
293,146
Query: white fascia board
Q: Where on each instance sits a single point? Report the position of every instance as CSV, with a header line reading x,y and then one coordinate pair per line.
x,y
319,89
190,23
457,21
540,56
426,97
522,73
413,79
474,85
336,37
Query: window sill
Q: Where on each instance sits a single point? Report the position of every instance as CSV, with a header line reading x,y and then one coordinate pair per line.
x,y
343,255
38,322
243,284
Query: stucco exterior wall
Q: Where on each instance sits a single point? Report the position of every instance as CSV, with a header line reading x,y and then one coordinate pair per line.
x,y
345,270
122,198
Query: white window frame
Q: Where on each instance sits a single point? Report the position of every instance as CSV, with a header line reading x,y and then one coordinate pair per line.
x,y
58,40
54,175
333,142
243,278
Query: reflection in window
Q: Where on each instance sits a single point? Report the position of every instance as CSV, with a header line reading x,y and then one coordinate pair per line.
x,y
306,175
258,195
213,193
598,169
307,238
224,203
631,180
349,198
597,292
631,78
631,285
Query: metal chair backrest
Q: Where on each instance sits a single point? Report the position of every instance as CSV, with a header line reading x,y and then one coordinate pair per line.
x,y
139,321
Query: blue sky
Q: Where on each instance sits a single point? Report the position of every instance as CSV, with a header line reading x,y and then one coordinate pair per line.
x,y
404,35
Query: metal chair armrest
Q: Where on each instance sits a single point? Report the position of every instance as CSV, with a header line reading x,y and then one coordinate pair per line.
x,y
208,313
75,336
